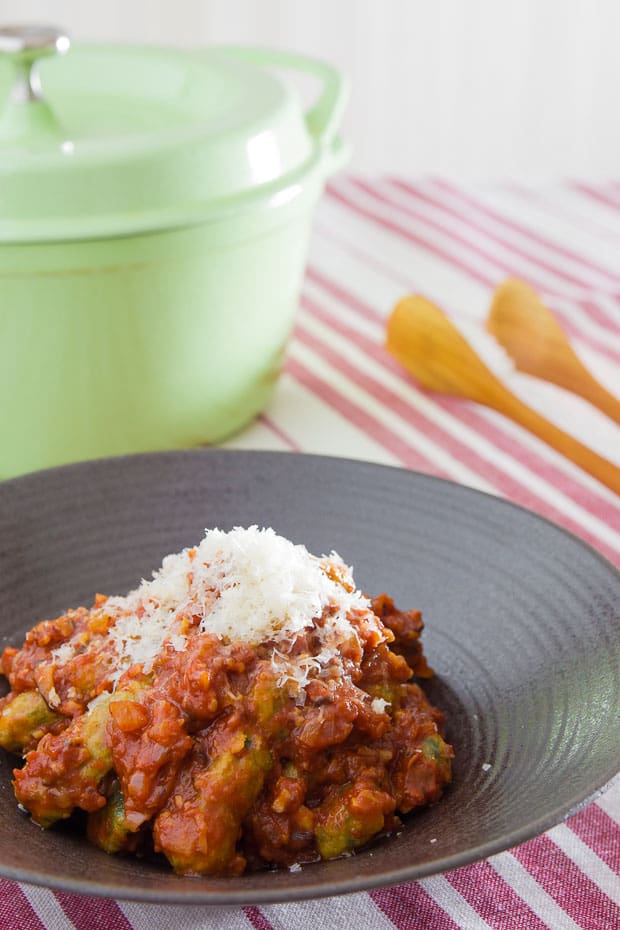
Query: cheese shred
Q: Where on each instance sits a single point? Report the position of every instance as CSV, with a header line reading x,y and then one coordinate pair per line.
x,y
247,585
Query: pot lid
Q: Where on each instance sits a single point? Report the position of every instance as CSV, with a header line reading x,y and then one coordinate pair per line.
x,y
110,139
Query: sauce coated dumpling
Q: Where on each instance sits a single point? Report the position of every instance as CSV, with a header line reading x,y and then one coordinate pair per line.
x,y
248,706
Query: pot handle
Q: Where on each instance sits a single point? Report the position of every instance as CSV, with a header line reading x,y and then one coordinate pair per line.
x,y
26,114
325,115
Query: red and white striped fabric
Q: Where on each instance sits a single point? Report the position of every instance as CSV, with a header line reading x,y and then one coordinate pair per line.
x,y
341,394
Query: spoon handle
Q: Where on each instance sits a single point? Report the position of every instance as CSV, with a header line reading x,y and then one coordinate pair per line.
x,y
602,469
590,389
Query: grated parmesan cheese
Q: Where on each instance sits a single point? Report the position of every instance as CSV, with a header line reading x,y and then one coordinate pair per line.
x,y
379,705
63,653
248,585
53,698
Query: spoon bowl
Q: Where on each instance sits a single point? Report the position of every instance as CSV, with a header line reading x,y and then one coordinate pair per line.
x,y
537,344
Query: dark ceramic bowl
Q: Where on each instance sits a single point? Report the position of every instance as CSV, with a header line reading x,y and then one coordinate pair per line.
x,y
522,628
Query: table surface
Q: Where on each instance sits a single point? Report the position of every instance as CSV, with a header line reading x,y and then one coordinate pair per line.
x,y
375,241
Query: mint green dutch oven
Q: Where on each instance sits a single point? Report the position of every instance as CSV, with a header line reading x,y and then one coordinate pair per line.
x,y
155,209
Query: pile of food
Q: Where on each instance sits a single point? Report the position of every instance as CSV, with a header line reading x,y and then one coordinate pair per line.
x,y
245,707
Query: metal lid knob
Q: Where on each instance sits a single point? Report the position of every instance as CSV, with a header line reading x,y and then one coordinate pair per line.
x,y
25,45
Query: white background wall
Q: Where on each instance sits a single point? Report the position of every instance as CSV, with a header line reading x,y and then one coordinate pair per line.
x,y
468,88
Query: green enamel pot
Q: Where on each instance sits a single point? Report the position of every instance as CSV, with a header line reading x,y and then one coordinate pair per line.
x,y
155,210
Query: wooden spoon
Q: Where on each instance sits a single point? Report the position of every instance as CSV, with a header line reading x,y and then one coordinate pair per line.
x,y
534,339
432,349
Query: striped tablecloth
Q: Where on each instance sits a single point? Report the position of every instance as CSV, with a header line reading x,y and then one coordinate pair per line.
x,y
341,394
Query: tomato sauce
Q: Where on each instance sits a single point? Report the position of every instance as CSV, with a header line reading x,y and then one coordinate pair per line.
x,y
211,758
